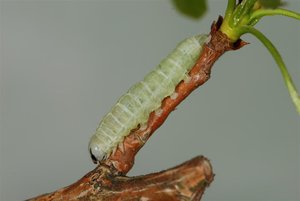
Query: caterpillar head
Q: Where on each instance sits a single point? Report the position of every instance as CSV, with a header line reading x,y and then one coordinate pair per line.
x,y
96,150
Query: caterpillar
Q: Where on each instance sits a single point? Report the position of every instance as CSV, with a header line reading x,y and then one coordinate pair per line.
x,y
134,107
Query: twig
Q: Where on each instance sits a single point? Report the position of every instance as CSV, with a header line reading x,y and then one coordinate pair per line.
x,y
185,182
123,160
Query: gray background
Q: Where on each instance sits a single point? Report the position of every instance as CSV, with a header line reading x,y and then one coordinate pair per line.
x,y
64,64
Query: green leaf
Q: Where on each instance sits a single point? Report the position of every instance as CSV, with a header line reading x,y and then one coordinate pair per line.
x,y
271,3
191,8
278,59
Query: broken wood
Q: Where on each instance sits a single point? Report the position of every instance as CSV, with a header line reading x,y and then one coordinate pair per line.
x,y
184,182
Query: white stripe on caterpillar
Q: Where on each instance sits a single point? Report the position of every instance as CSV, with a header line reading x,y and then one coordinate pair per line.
x,y
134,107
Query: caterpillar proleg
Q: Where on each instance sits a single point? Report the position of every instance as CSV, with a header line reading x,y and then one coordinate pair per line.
x,y
134,107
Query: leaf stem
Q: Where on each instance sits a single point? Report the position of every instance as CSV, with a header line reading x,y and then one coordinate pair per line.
x,y
229,10
242,12
256,15
278,59
235,16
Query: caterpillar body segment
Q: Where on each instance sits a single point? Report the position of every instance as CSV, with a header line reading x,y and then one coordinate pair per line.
x,y
134,107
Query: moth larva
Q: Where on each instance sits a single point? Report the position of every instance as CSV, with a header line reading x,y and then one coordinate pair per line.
x,y
134,107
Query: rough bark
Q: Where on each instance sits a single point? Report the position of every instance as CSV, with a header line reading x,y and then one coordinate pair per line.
x,y
185,182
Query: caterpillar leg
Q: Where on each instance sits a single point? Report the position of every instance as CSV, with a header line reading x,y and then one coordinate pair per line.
x,y
121,146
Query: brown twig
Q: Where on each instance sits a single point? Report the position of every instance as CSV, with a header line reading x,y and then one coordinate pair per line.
x,y
184,182
122,159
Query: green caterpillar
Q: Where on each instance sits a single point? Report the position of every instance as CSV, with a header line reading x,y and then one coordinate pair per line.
x,y
134,107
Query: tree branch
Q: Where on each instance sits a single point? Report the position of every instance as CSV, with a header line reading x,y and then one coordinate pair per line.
x,y
122,159
185,182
